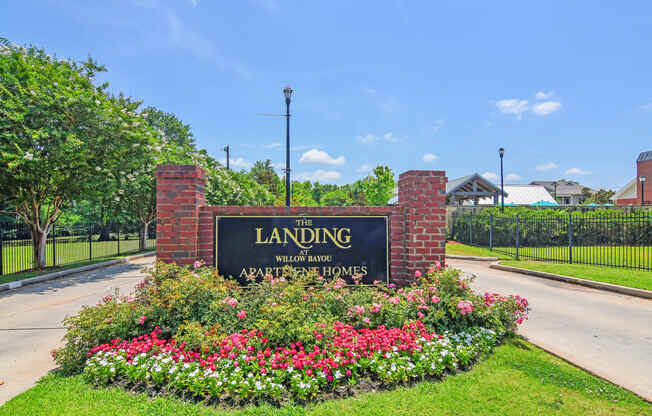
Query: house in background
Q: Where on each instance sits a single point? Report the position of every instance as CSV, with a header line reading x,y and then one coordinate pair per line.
x,y
631,193
566,192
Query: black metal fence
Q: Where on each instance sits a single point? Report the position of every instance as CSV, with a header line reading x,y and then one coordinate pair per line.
x,y
71,244
618,240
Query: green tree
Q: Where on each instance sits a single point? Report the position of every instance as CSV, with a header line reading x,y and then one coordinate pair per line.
x,y
603,196
264,174
169,126
336,198
378,189
58,131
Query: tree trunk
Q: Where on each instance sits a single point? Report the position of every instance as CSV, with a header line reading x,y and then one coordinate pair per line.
x,y
39,244
105,233
143,235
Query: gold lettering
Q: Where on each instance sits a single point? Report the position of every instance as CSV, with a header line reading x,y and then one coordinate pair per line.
x,y
346,239
259,237
274,237
294,238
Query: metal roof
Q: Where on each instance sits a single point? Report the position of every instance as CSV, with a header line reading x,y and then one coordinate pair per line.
x,y
644,156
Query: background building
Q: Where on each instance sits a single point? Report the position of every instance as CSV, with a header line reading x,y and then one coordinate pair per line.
x,y
631,193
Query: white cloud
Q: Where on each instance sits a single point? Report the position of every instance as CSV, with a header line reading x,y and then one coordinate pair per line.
x,y
364,168
513,106
544,95
577,171
490,176
646,107
272,145
237,163
512,177
319,175
430,157
390,138
546,107
437,126
546,166
299,148
367,138
321,157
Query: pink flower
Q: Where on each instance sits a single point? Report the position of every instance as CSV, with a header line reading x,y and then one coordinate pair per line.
x,y
438,264
395,300
242,314
435,299
417,274
465,306
141,320
375,307
109,320
420,315
366,320
232,302
197,264
431,270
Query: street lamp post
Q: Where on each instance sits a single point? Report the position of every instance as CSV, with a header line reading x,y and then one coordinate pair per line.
x,y
287,91
501,152
642,179
227,150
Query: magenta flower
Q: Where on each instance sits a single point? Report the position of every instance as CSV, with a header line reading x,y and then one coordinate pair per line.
x,y
141,320
417,274
242,314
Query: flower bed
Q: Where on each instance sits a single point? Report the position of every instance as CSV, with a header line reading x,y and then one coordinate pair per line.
x,y
195,333
244,368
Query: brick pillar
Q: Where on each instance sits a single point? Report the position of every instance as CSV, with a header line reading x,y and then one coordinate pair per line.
x,y
180,192
422,196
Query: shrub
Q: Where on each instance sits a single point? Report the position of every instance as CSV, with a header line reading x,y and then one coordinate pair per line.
x,y
189,303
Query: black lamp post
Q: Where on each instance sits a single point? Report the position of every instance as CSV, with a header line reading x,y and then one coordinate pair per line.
x,y
501,152
227,150
642,179
287,91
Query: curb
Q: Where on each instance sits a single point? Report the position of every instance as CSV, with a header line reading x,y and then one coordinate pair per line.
x,y
623,290
476,258
56,275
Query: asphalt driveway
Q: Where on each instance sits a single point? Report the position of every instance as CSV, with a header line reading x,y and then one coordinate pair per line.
x,y
30,319
606,333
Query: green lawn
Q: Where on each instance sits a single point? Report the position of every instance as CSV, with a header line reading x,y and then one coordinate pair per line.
x,y
24,275
639,279
624,277
17,254
464,250
518,379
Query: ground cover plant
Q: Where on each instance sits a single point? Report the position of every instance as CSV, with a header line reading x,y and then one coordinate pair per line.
x,y
189,332
516,379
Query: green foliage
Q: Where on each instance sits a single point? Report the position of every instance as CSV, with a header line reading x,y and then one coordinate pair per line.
x,y
169,127
337,197
264,174
600,197
190,303
378,188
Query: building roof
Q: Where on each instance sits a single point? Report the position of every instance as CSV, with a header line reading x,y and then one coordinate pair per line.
x,y
564,188
644,156
524,195
465,183
627,191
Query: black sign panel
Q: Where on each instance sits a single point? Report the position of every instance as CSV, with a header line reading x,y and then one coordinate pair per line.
x,y
332,246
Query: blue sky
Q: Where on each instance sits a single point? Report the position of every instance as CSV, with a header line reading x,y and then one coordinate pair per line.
x,y
565,87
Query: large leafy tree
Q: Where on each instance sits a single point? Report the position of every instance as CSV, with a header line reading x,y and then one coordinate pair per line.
x,y
169,126
58,132
379,187
263,173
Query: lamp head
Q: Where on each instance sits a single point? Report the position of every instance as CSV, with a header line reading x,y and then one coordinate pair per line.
x,y
501,152
287,91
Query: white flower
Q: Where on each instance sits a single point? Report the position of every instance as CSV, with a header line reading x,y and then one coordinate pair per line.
x,y
28,156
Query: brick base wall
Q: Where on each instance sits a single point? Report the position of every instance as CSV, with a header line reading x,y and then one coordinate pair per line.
x,y
185,225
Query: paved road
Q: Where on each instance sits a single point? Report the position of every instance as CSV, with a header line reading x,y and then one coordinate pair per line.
x,y
609,334
30,319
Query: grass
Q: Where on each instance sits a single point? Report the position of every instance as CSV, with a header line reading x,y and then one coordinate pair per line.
x,y
631,278
518,379
17,255
638,279
464,250
24,275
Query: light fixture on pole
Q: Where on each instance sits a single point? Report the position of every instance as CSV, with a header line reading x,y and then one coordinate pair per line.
x,y
287,91
642,179
227,150
501,152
